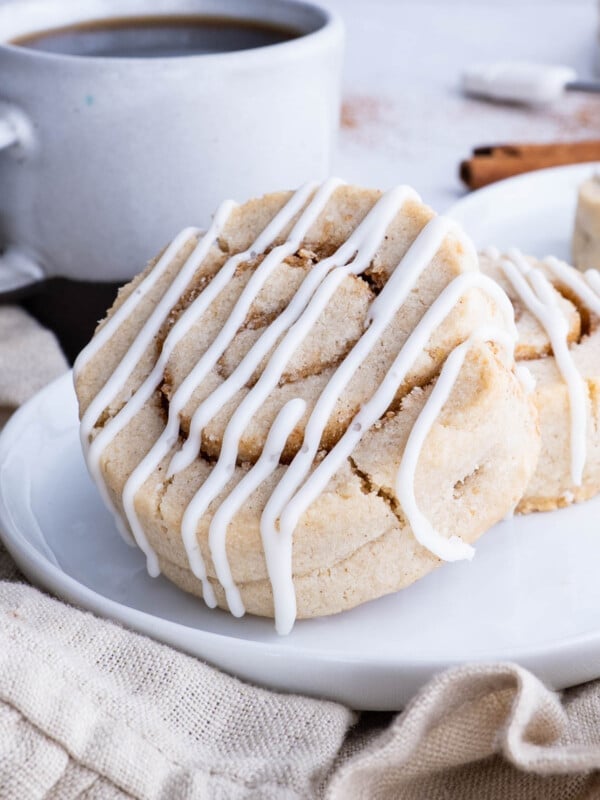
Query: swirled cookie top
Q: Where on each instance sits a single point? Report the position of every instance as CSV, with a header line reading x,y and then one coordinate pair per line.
x,y
337,329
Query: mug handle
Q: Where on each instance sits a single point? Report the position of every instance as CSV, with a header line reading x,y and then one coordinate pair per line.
x,y
18,271
9,134
18,274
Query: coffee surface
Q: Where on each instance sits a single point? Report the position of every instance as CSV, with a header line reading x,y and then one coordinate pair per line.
x,y
157,37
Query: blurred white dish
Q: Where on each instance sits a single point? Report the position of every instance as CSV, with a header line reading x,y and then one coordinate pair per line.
x,y
534,212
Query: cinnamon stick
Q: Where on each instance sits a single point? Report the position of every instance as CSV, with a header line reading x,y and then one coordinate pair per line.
x,y
495,162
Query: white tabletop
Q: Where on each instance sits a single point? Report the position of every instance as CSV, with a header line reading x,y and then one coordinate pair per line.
x,y
404,119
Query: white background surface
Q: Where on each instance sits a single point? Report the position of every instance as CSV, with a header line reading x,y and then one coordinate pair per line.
x,y
406,121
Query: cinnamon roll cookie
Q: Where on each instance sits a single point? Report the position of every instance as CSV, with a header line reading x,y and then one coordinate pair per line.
x,y
586,234
557,311
309,405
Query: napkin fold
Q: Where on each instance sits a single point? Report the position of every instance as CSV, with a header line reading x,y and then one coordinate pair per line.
x,y
29,358
91,710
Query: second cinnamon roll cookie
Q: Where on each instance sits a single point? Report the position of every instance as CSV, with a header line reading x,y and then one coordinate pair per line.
x,y
557,312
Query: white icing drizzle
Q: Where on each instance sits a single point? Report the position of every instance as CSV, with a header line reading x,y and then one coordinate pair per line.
x,y
191,315
453,548
575,281
526,378
359,249
350,259
103,336
143,339
130,304
123,371
284,424
540,298
592,276
170,435
289,507
491,251
297,489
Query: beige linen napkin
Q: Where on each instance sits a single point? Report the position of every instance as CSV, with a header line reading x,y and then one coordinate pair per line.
x,y
29,359
91,710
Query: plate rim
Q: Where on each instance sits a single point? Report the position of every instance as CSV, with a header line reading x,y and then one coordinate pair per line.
x,y
479,195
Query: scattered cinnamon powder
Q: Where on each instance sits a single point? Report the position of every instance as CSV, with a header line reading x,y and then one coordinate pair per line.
x,y
584,120
361,111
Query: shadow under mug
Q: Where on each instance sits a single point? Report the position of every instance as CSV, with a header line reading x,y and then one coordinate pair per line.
x,y
103,160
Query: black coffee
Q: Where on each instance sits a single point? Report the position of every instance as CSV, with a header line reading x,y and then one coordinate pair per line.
x,y
157,37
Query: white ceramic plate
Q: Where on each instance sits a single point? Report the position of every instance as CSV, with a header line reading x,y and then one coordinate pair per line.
x,y
534,212
531,595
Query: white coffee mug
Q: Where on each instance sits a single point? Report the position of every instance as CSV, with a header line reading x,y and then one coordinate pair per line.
x,y
103,160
